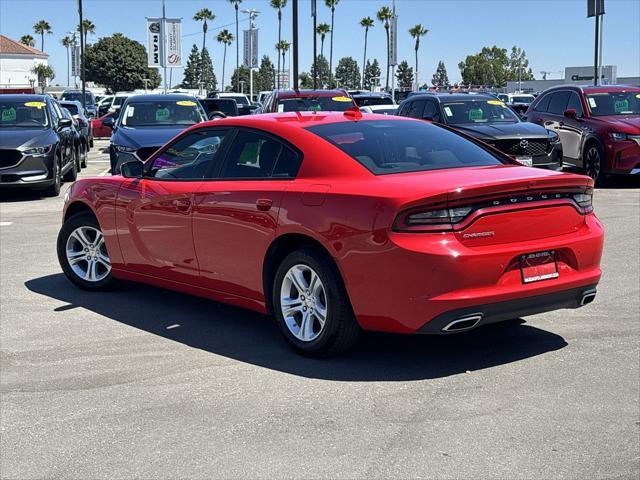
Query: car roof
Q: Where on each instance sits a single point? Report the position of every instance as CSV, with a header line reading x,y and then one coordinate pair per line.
x,y
27,97
371,94
609,88
161,96
310,93
454,96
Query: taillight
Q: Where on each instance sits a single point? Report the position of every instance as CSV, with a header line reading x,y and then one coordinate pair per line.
x,y
438,219
584,201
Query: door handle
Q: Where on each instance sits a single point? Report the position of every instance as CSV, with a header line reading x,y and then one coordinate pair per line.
x,y
264,204
183,204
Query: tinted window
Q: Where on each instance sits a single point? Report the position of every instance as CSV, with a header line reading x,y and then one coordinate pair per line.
x,y
543,104
254,155
365,101
614,103
558,103
338,103
22,114
403,110
416,109
88,96
190,157
72,107
575,104
431,110
386,146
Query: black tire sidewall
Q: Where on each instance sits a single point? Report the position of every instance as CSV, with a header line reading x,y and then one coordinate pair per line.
x,y
601,175
54,189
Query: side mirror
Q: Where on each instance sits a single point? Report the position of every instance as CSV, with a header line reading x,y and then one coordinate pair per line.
x,y
571,113
65,122
132,169
109,122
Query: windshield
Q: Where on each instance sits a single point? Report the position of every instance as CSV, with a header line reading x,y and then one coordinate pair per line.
x,y
73,108
477,111
398,146
365,101
161,113
326,104
77,96
614,103
21,114
522,98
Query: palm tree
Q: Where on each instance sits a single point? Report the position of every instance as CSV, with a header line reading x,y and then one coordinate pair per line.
x,y
67,42
384,15
416,32
89,28
236,4
367,23
322,30
225,37
43,72
41,28
203,16
28,40
279,5
283,47
332,5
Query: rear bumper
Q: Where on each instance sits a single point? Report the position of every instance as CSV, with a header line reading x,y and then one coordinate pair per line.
x,y
468,318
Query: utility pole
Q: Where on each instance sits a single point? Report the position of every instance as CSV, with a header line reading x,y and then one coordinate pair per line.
x,y
393,67
164,46
315,46
82,46
595,8
295,44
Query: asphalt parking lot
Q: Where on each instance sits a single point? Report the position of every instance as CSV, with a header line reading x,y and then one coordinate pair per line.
x,y
145,383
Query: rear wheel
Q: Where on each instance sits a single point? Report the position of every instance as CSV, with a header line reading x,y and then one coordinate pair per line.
x,y
593,157
311,305
82,253
72,173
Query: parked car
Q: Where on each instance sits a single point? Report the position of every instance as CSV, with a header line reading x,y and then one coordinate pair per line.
x,y
89,100
103,105
518,102
599,126
245,107
380,109
146,122
219,107
312,100
84,125
100,130
366,99
340,222
37,143
77,139
491,121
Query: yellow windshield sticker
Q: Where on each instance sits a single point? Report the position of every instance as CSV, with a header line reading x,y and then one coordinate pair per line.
x,y
341,99
496,102
37,105
9,115
186,103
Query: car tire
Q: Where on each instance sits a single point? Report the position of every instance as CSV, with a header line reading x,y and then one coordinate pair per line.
x,y
82,253
83,155
593,163
301,317
53,190
72,173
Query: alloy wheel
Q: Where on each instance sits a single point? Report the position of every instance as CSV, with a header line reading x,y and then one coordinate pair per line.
x,y
87,254
303,302
592,162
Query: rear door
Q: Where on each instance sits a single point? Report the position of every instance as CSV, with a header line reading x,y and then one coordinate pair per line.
x,y
236,211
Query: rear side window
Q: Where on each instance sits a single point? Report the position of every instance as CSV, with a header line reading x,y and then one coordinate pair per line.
x,y
558,103
543,104
398,146
417,107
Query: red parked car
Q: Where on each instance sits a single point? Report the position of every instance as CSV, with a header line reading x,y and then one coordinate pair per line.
x,y
100,130
307,100
599,127
335,222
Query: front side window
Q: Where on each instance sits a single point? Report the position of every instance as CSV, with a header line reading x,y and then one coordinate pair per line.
x,y
399,146
614,103
558,102
477,111
575,104
431,111
23,114
416,109
190,157
254,155
160,113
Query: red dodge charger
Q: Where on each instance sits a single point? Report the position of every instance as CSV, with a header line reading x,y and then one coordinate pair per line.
x,y
335,222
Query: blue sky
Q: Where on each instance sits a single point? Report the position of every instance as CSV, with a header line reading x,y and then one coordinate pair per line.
x,y
554,33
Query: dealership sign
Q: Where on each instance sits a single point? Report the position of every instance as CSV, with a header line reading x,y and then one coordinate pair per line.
x,y
250,50
154,37
75,60
173,51
164,42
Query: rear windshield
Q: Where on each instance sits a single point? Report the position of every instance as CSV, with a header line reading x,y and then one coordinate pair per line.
x,y
73,109
338,103
398,146
366,101
88,96
523,99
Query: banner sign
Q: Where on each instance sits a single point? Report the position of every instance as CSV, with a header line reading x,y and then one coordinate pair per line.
x,y
250,45
75,61
154,37
595,7
173,44
393,41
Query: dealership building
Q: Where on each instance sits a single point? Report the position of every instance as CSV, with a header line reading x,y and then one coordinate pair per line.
x,y
16,62
573,76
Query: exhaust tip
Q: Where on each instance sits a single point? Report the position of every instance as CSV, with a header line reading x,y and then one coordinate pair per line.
x,y
588,297
463,323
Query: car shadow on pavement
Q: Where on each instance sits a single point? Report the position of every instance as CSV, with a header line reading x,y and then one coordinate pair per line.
x,y
253,338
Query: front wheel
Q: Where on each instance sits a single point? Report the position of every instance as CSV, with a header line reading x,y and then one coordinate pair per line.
x,y
593,163
82,253
54,189
312,306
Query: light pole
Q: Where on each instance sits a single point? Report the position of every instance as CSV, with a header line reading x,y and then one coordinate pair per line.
x,y
82,62
253,13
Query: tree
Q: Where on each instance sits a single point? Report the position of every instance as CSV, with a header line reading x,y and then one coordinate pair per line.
x,y
236,5
404,75
366,23
305,80
203,15
44,73
41,28
371,75
89,28
332,5
226,38
119,64
385,14
279,5
348,73
440,78
283,47
416,32
322,73
191,74
67,42
28,40
264,79
519,65
489,67
240,77
322,29
208,76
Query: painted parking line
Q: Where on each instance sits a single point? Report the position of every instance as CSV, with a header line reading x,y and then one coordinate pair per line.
x,y
106,172
5,224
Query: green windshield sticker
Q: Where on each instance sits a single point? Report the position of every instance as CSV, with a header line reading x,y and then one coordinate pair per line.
x,y
9,115
621,106
475,114
162,114
315,108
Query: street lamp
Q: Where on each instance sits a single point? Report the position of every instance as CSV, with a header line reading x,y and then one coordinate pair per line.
x,y
253,13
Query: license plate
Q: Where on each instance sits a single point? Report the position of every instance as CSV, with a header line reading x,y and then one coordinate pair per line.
x,y
526,161
538,266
